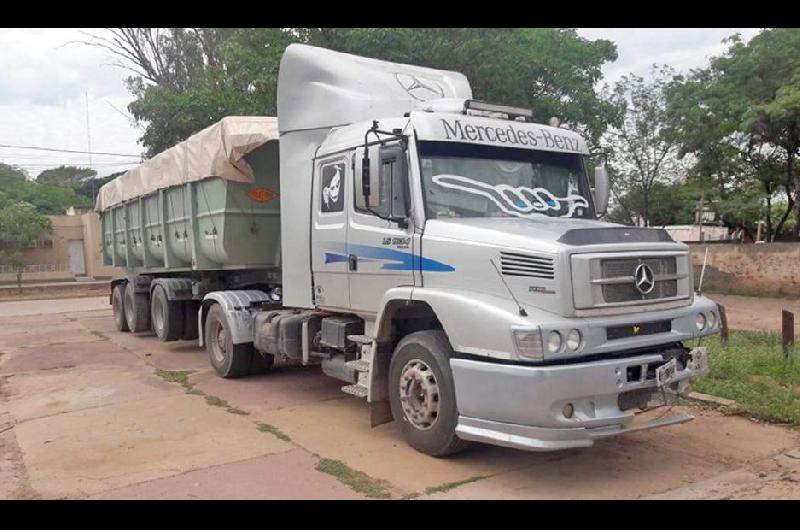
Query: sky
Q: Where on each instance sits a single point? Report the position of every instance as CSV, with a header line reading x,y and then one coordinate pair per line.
x,y
50,83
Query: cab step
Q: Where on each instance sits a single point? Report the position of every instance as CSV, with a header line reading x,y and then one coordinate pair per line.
x,y
361,365
355,390
360,339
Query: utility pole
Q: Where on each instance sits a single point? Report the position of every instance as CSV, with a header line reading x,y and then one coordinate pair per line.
x,y
89,144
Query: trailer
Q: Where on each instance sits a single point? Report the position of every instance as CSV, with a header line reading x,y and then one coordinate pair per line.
x,y
439,255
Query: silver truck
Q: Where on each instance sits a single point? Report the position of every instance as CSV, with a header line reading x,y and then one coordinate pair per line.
x,y
439,255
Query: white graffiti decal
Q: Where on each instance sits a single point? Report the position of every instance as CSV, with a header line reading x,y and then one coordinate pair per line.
x,y
521,202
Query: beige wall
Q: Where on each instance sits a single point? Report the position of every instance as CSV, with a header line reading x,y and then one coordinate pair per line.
x,y
767,268
52,263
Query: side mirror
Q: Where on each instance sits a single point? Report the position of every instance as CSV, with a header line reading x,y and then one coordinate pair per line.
x,y
367,195
601,190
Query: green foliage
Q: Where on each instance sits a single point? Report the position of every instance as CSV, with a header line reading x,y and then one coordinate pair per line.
x,y
644,148
20,225
66,176
739,118
211,73
753,371
46,199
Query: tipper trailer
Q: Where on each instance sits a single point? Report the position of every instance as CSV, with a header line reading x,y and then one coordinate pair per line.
x,y
441,256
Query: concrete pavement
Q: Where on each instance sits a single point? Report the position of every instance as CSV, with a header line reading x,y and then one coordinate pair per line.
x,y
83,414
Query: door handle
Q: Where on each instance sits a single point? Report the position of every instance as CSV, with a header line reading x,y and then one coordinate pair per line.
x,y
352,262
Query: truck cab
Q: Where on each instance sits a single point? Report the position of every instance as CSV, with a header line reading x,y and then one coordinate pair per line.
x,y
478,232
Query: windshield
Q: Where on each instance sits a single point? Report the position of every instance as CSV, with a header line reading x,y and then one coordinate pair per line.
x,y
467,180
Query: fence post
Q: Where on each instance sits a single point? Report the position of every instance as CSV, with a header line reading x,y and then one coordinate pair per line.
x,y
788,331
723,326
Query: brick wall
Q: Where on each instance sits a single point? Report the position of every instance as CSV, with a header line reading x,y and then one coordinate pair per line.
x,y
768,268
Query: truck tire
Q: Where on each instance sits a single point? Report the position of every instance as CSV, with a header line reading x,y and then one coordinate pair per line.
x,y
166,315
190,309
118,307
228,359
137,310
422,393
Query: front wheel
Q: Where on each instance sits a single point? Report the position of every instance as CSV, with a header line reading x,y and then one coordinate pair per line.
x,y
422,393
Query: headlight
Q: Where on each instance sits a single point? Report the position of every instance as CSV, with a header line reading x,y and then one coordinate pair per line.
x,y
574,339
553,341
529,343
712,320
700,321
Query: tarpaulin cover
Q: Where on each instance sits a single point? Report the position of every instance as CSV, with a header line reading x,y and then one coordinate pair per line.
x,y
216,151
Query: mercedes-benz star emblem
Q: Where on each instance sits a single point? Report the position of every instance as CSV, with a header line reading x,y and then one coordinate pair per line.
x,y
419,88
644,279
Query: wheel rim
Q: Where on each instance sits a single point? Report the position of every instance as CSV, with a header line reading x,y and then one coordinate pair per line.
x,y
419,394
218,342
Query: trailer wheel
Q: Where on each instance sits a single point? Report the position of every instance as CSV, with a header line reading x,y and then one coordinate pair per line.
x,y
137,310
118,307
422,393
167,316
228,359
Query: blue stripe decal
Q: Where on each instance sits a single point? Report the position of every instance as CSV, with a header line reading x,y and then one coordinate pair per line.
x,y
331,257
398,260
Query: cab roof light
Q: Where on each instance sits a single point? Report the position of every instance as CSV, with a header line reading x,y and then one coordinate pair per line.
x,y
511,112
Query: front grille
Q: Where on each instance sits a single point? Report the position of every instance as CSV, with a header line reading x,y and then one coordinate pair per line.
x,y
624,268
516,264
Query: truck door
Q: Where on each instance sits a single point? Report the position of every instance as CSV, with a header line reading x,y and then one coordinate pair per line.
x,y
329,262
380,252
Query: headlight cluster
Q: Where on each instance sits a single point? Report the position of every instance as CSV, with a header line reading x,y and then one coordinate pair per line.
x,y
707,321
530,344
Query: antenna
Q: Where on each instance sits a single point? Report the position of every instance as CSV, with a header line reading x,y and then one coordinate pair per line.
x,y
522,311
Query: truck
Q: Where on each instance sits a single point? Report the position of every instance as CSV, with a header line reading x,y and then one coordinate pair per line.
x,y
443,257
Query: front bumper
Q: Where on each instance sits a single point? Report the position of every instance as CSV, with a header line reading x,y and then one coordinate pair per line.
x,y
523,406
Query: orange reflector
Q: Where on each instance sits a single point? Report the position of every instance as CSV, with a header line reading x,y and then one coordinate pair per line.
x,y
262,194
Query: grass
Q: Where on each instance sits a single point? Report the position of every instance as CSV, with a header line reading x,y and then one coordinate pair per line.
x,y
451,485
355,480
182,378
266,427
753,371
174,376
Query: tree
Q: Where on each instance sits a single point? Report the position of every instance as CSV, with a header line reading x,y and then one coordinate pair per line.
x,y
66,176
19,226
46,199
187,78
644,149
747,102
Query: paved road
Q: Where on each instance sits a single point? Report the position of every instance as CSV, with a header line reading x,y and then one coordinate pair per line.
x,y
84,415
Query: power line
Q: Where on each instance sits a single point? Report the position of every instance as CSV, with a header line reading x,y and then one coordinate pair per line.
x,y
66,150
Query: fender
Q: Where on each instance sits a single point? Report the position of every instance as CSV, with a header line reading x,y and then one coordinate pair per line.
x,y
175,288
238,312
475,323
